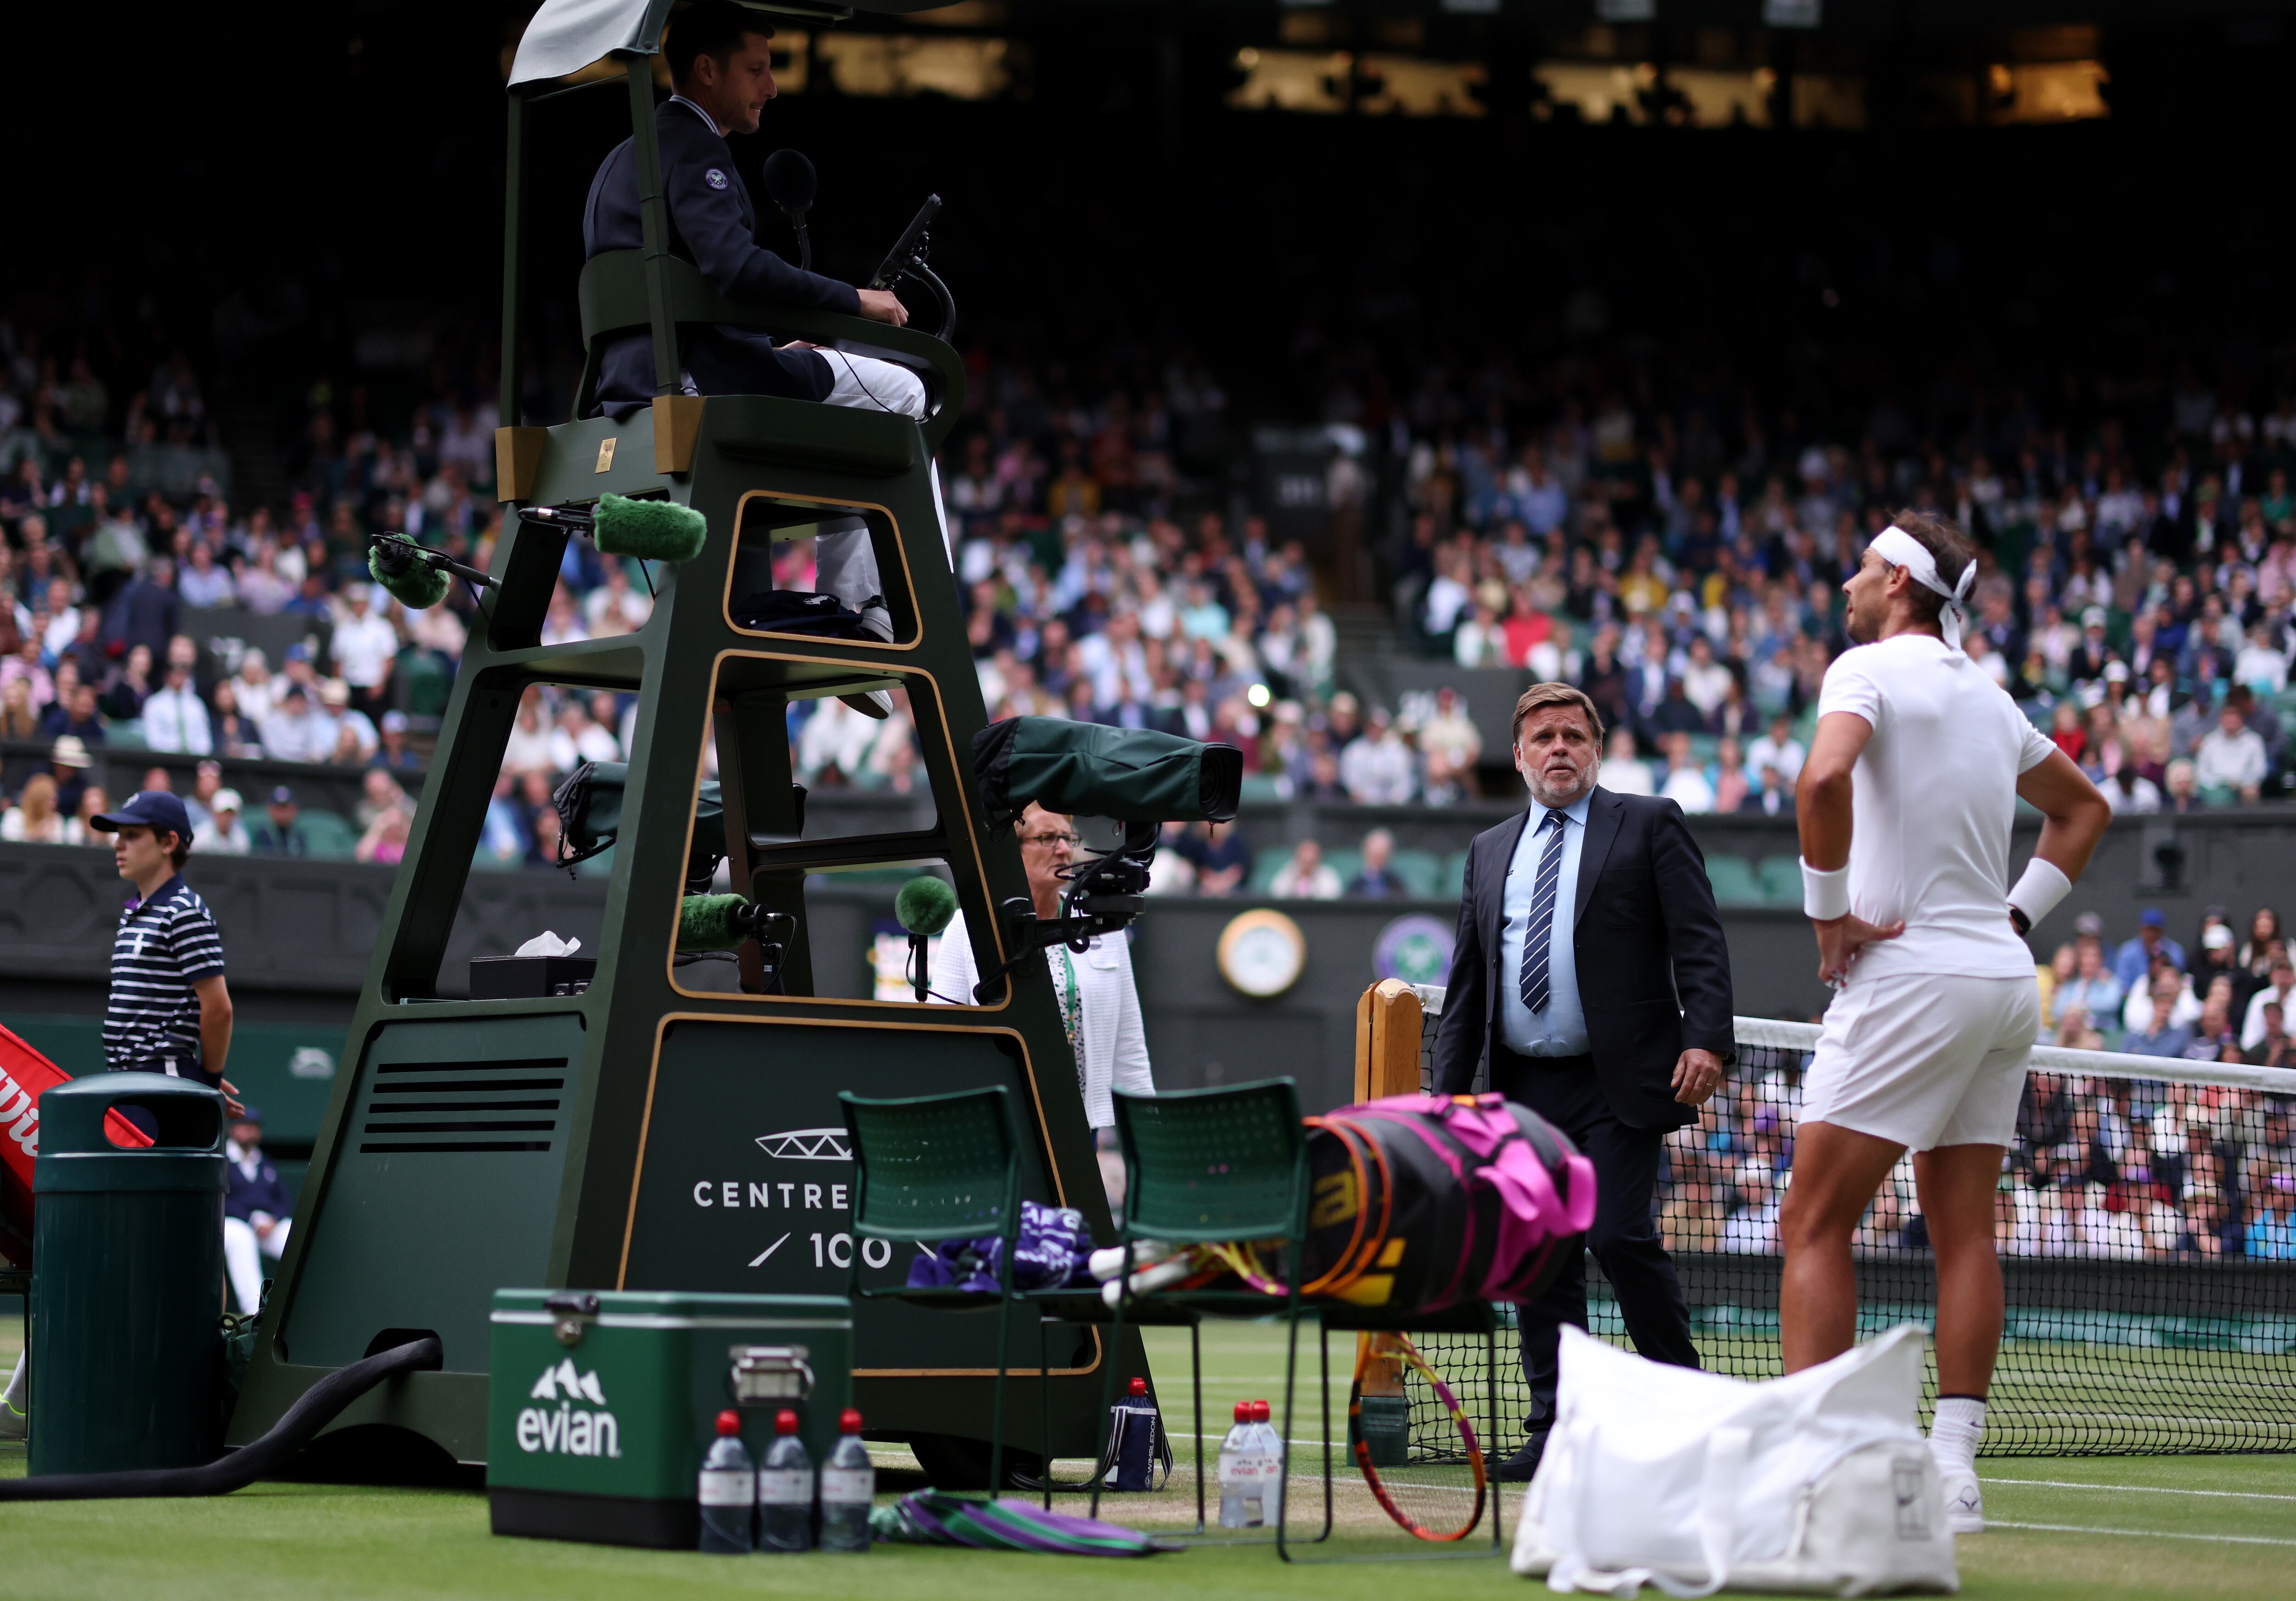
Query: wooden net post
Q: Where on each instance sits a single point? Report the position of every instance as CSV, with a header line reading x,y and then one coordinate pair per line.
x,y
1387,1041
1387,1063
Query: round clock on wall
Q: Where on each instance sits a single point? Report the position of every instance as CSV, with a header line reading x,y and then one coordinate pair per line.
x,y
1262,953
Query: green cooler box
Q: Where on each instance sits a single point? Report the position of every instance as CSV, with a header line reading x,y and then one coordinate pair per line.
x,y
600,1405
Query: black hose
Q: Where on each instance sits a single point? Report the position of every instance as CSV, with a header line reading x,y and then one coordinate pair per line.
x,y
316,1407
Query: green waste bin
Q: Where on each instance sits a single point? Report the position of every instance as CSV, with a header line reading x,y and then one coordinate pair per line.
x,y
602,1404
127,1275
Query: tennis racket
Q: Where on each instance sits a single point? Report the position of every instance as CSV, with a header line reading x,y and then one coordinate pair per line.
x,y
1432,1500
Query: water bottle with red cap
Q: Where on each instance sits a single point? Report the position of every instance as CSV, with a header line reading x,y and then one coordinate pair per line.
x,y
1239,1474
785,1489
1132,1440
848,1489
729,1491
1267,1442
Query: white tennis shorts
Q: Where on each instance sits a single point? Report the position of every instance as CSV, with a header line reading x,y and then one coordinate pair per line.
x,y
1925,1059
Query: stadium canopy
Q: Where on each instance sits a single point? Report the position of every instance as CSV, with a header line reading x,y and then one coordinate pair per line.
x,y
566,36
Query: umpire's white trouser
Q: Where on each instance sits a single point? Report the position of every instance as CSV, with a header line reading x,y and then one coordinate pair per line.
x,y
242,1250
845,563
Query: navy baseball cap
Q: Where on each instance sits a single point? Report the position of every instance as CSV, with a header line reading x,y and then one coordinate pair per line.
x,y
153,809
2153,917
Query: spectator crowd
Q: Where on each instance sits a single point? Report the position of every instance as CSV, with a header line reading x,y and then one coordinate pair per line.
x,y
2133,594
1677,557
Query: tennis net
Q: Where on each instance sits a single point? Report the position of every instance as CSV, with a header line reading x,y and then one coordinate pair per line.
x,y
2147,1236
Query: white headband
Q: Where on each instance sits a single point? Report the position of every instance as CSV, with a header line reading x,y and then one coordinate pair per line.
x,y
1898,548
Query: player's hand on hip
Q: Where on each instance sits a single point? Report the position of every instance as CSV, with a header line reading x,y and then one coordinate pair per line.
x,y
1697,1074
883,305
1841,939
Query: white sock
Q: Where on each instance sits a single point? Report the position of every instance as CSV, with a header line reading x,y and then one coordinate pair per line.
x,y
1956,1429
15,1394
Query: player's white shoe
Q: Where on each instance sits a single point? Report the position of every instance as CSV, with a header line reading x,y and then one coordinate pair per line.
x,y
11,1422
1965,1507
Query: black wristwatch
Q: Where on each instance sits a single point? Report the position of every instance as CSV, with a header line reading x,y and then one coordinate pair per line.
x,y
2018,920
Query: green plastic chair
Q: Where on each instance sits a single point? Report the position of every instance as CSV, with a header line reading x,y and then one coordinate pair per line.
x,y
1202,1166
1454,882
1733,880
1782,880
328,838
936,1167
1265,862
1422,872
1208,1165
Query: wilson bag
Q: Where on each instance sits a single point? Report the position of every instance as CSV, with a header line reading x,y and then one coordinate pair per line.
x,y
24,1075
1817,1483
1417,1202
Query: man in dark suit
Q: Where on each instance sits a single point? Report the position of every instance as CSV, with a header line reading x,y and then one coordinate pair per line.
x,y
720,59
1590,965
721,63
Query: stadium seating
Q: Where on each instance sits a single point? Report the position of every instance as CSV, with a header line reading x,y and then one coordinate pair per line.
x,y
1781,878
1733,880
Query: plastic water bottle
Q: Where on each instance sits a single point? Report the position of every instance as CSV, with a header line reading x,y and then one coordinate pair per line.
x,y
729,1491
1239,1474
1269,1443
785,1489
848,1489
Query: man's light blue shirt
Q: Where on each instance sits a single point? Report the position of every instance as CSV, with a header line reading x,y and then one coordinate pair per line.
x,y
1560,1030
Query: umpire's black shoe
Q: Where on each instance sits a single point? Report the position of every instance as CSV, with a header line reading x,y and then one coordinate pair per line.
x,y
1518,1468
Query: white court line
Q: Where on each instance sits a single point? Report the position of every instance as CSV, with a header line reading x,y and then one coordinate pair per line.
x,y
2229,1539
2238,1495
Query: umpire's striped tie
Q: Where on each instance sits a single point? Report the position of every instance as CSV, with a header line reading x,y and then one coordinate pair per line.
x,y
1538,935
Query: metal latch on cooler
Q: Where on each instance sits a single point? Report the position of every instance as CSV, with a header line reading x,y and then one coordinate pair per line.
x,y
574,1313
768,1373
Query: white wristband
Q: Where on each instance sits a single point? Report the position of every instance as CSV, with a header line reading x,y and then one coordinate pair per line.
x,y
1824,894
2038,890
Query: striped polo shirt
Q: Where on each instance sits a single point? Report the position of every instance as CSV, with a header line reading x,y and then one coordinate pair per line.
x,y
165,945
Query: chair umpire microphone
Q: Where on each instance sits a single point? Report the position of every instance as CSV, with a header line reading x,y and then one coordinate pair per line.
x,y
1590,965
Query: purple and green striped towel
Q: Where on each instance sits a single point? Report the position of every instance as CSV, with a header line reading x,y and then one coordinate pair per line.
x,y
937,1517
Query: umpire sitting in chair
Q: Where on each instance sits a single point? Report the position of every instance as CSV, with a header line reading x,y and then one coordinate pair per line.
x,y
720,58
256,1205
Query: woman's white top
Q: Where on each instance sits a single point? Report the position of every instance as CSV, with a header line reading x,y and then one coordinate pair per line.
x,y
1115,1044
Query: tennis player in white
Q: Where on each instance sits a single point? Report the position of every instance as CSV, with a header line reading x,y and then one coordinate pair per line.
x,y
1905,805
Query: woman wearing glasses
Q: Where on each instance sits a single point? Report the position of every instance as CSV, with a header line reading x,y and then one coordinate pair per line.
x,y
1099,1004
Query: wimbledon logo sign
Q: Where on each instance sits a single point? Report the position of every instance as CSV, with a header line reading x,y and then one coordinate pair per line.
x,y
566,1431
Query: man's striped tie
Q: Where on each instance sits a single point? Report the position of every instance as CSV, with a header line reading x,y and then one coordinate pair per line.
x,y
1538,935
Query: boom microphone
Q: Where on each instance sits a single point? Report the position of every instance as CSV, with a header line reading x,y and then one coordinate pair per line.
x,y
413,584
721,922
650,530
923,907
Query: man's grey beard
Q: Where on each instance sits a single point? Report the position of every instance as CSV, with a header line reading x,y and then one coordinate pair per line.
x,y
1544,798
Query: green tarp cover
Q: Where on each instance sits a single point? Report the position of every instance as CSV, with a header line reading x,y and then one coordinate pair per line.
x,y
1092,770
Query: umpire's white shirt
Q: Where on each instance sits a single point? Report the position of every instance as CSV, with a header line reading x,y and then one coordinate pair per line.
x,y
1115,1042
1933,794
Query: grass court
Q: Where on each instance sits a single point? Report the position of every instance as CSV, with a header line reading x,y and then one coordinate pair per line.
x,y
2090,1529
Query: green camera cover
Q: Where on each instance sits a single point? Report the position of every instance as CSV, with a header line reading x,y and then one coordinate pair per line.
x,y
1092,770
